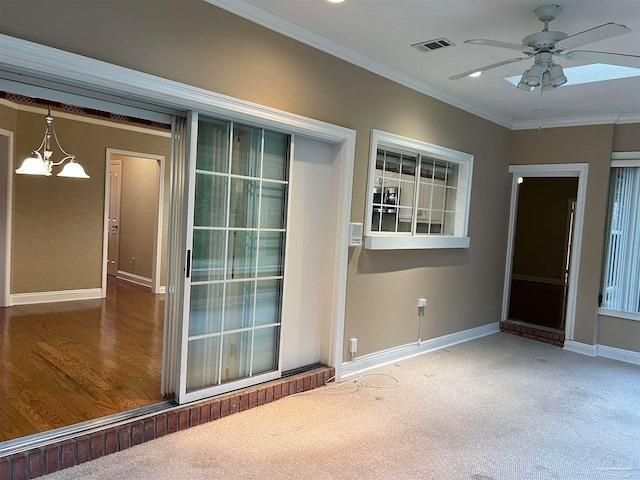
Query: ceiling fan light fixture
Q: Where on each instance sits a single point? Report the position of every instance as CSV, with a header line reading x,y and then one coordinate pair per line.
x,y
557,76
522,85
534,75
546,82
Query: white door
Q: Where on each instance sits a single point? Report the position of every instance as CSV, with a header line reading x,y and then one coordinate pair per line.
x,y
237,214
113,225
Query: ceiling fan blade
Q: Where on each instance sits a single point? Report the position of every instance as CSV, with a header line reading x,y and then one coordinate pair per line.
x,y
486,67
604,57
496,43
595,34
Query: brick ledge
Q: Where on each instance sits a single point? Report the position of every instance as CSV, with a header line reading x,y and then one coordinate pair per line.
x,y
83,448
534,333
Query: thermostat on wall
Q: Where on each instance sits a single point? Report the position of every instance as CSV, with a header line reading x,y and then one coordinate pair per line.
x,y
355,234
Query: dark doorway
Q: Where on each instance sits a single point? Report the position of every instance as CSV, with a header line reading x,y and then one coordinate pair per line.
x,y
542,251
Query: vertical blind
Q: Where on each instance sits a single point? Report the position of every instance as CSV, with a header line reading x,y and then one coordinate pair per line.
x,y
622,274
175,277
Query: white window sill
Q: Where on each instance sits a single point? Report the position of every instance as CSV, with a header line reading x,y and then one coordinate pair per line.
x,y
417,242
618,314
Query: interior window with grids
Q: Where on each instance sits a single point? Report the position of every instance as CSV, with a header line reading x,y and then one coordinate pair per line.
x,y
418,194
621,283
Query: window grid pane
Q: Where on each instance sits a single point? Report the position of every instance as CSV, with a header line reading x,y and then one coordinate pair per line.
x,y
394,194
419,190
236,211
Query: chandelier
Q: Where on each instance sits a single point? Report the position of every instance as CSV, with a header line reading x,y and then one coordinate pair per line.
x,y
40,162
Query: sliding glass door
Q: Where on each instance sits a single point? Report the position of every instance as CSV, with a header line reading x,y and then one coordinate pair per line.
x,y
237,215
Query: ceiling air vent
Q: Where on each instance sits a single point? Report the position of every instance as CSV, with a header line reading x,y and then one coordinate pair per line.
x,y
431,45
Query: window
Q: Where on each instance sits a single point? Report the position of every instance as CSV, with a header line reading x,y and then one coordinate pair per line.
x,y
418,195
621,284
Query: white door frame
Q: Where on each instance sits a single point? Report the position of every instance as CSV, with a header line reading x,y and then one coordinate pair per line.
x,y
109,197
6,189
156,286
83,72
579,170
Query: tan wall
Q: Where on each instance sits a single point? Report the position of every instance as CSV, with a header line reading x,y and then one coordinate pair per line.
x,y
8,118
213,49
626,138
58,222
138,214
620,332
541,227
592,145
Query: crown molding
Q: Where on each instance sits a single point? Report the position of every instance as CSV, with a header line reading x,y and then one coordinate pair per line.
x,y
629,118
576,121
270,20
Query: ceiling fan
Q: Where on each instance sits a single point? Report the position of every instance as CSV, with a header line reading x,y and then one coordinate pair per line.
x,y
544,45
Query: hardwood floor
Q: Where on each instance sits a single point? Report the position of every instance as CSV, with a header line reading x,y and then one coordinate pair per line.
x,y
68,362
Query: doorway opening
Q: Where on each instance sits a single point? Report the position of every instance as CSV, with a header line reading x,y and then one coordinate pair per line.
x,y
134,212
545,238
542,251
68,353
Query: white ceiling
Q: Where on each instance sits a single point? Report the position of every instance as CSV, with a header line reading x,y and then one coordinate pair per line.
x,y
378,34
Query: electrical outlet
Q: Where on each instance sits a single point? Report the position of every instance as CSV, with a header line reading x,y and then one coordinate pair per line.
x,y
353,345
133,260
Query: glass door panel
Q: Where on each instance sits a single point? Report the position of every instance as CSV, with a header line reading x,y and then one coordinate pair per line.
x,y
264,355
237,240
202,363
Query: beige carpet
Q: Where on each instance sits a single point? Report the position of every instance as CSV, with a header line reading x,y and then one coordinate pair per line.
x,y
497,408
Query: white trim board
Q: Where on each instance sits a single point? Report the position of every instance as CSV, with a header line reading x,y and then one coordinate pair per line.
x,y
57,296
133,278
73,69
607,312
403,352
6,189
614,119
605,351
623,157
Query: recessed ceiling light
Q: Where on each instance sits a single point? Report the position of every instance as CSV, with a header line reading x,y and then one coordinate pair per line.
x,y
476,74
597,72
335,1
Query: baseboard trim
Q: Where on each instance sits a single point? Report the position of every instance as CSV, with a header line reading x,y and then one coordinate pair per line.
x,y
613,353
133,278
58,296
581,348
619,354
402,352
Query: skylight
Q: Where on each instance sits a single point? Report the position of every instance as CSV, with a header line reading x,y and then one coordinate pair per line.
x,y
597,72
